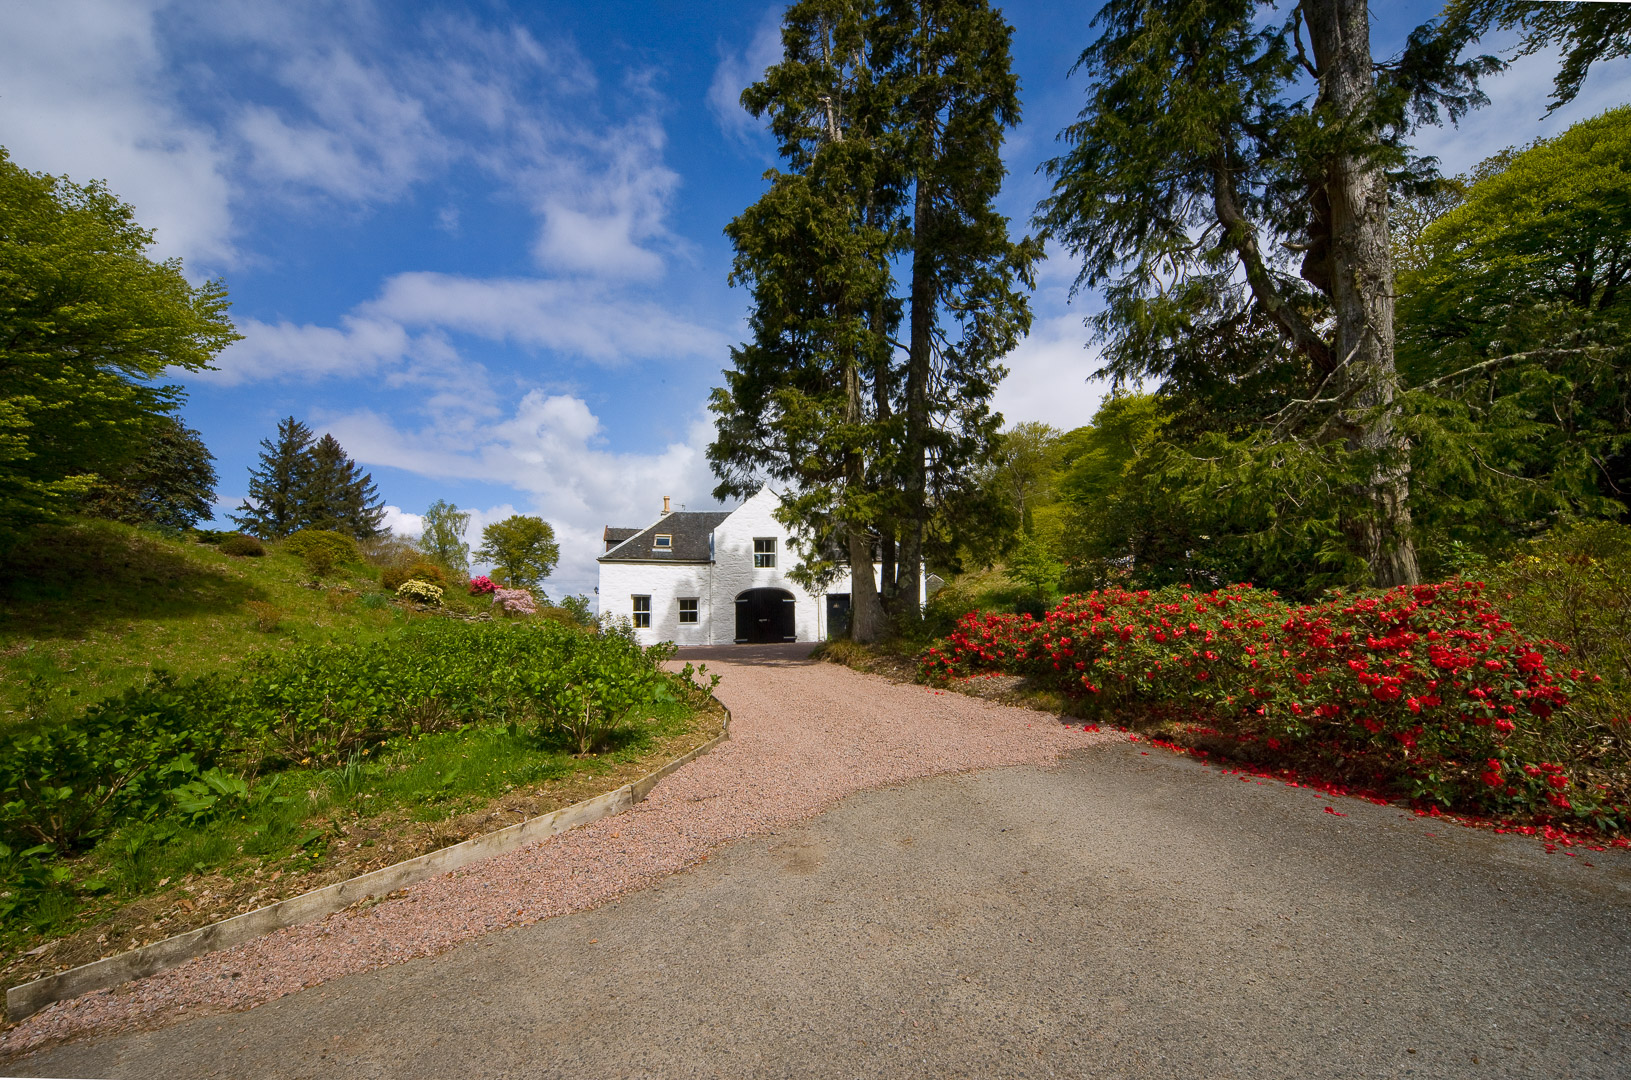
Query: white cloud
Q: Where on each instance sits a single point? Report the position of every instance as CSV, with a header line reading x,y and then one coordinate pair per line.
x,y
1516,114
362,139
579,318
83,92
737,70
1050,376
402,523
400,337
553,448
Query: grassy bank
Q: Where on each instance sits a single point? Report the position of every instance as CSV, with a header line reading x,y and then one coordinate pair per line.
x,y
304,828
87,610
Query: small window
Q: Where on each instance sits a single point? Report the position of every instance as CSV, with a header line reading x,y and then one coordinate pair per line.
x,y
688,609
642,612
662,542
764,551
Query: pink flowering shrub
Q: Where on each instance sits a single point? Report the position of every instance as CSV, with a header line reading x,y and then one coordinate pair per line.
x,y
1427,686
514,601
482,586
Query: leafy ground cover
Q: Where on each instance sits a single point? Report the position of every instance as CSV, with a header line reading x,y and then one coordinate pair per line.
x,y
1424,692
294,762
86,609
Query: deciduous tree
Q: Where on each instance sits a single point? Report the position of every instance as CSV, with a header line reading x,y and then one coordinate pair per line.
x,y
443,536
522,550
88,325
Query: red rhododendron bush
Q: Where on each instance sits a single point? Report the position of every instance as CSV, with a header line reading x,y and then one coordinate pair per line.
x,y
1426,690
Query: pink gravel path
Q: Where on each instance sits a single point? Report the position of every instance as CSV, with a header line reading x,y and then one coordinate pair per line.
x,y
803,736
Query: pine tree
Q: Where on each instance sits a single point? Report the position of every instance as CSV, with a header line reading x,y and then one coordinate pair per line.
x,y
815,250
279,489
890,118
947,68
171,482
340,497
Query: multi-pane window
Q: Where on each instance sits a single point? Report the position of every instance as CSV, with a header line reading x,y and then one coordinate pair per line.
x,y
764,551
688,609
662,542
642,612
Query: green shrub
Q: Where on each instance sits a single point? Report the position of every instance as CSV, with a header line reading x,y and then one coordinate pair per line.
x,y
241,545
393,577
1573,586
340,549
148,754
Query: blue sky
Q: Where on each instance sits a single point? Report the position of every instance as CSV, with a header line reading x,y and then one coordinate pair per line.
x,y
481,242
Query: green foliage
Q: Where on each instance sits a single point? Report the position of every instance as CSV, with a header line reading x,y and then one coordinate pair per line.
x,y
277,489
581,610
1513,327
170,483
1573,586
1584,33
522,550
340,496
307,483
142,753
240,545
443,536
392,578
89,322
342,548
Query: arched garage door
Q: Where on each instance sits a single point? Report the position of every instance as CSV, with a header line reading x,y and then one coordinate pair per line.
x,y
764,615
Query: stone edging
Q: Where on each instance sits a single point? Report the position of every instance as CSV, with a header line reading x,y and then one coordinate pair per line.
x,y
31,997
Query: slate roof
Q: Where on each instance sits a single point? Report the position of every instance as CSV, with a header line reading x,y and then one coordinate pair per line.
x,y
690,530
614,536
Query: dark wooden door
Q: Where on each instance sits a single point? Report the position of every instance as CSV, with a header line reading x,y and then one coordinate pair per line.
x,y
763,616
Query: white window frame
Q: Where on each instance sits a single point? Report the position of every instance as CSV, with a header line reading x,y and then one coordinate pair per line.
x,y
764,560
695,612
640,614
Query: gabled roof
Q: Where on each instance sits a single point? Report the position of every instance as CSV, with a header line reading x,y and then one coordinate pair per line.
x,y
690,530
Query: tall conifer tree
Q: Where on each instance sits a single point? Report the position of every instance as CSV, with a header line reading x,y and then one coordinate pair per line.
x,y
948,71
340,497
276,506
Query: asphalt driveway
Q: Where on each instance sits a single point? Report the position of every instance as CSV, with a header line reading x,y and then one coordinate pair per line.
x,y
1122,914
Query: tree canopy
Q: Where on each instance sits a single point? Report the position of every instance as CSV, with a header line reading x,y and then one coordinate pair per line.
x,y
88,325
522,550
307,483
443,536
890,117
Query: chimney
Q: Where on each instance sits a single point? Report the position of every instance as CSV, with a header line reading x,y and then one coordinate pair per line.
x,y
665,506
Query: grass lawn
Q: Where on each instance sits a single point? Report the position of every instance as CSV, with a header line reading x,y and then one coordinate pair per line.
x,y
88,609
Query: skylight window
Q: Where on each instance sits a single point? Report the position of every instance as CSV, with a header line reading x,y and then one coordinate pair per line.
x,y
662,542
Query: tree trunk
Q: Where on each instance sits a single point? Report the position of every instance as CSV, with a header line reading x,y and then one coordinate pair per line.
x,y
918,367
1361,286
866,619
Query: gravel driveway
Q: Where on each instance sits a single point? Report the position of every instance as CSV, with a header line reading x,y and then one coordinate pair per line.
x,y
1123,914
803,736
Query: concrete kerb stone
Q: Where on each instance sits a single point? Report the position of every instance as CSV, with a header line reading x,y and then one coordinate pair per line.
x,y
31,997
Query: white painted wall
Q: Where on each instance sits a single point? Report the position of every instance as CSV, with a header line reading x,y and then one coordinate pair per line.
x,y
718,585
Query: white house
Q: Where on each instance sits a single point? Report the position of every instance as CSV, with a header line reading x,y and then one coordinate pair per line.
x,y
714,578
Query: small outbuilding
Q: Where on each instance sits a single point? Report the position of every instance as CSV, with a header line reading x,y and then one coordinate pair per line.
x,y
713,578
